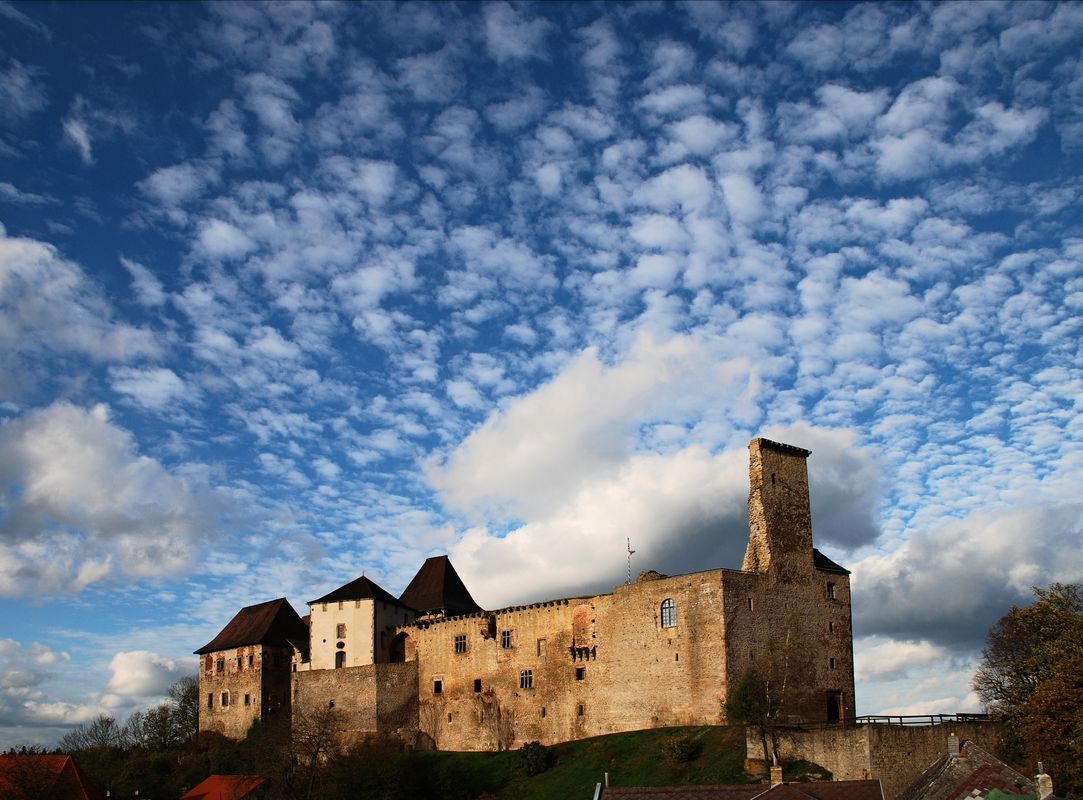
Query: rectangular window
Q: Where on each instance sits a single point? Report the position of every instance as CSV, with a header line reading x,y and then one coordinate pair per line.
x,y
751,605
340,630
210,701
340,659
579,710
251,661
541,647
477,685
220,665
339,605
543,712
437,687
248,699
460,643
830,627
526,679
239,664
330,703
580,673
831,591
832,663
225,699
505,640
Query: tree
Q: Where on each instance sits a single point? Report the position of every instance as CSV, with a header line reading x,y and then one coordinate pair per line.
x,y
184,695
1029,680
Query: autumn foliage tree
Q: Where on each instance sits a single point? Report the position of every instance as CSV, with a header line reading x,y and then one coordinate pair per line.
x,y
1031,679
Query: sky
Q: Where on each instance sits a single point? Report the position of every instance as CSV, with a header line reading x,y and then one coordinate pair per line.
x,y
291,293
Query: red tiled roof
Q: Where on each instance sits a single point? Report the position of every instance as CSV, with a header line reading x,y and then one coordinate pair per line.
x,y
272,623
57,777
813,790
223,787
438,587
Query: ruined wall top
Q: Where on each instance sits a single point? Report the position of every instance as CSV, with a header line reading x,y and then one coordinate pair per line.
x,y
779,515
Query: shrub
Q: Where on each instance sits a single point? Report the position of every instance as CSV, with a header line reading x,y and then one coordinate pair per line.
x,y
536,758
681,748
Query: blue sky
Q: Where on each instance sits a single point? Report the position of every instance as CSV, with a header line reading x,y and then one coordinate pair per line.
x,y
292,292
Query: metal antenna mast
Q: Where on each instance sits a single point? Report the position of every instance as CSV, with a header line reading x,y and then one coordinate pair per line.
x,y
630,551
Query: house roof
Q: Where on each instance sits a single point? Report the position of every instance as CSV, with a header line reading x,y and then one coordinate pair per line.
x,y
951,777
223,787
359,589
55,776
813,790
272,623
782,447
825,564
438,587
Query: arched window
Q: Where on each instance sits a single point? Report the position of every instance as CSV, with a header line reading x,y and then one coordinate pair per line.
x,y
340,659
669,613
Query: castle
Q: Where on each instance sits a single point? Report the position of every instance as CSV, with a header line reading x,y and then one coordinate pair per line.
x,y
433,667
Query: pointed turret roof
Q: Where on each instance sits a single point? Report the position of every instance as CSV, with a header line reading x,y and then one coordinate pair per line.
x,y
437,587
359,589
274,623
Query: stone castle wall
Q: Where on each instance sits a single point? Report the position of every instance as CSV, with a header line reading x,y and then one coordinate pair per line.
x,y
368,699
255,682
894,754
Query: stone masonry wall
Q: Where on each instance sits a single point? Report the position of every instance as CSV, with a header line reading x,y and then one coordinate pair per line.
x,y
368,699
894,754
253,681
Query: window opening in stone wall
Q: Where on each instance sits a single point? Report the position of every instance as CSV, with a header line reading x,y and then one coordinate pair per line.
x,y
225,699
772,479
830,627
210,701
330,703
209,663
437,687
477,685
526,679
580,673
339,605
543,712
251,661
541,647
239,662
579,710
340,630
505,640
294,666
676,656
669,613
247,699
832,663
460,643
751,605
831,591
220,665
340,659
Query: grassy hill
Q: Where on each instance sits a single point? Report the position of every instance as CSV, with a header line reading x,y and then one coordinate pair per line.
x,y
643,758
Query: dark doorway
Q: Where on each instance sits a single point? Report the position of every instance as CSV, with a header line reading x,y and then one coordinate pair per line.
x,y
834,706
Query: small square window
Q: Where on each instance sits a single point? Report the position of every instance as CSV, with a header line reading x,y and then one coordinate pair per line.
x,y
340,630
460,643
437,687
248,699
330,703
220,665
225,699
505,640
580,673
831,591
526,679
477,685
580,710
251,661
239,664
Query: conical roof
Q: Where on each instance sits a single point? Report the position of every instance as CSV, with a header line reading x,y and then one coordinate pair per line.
x,y
437,587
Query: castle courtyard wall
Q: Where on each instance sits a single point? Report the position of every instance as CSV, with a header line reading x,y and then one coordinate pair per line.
x,y
366,700
893,754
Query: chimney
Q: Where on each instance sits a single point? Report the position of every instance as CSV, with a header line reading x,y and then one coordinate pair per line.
x,y
776,775
953,745
1044,783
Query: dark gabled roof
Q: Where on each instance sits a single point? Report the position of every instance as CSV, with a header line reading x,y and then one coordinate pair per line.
x,y
57,777
825,564
273,623
957,776
223,787
358,589
813,790
782,447
438,587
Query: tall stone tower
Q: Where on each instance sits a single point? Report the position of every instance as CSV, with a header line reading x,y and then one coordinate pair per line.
x,y
779,516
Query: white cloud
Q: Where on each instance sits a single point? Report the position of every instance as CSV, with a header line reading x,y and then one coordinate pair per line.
x,y
154,388
509,36
148,289
88,505
221,239
743,198
140,673
76,131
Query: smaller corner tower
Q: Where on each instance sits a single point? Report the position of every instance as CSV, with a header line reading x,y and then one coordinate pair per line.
x,y
779,515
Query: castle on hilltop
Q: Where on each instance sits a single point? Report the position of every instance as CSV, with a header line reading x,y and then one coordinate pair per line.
x,y
433,667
